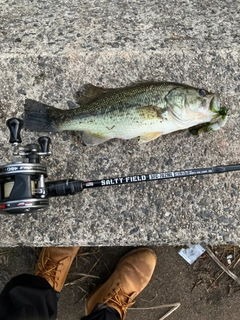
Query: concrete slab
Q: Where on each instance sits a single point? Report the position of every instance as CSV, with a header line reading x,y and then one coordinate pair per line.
x,y
50,48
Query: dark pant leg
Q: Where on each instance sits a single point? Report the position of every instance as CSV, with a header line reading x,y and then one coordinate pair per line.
x,y
28,297
102,312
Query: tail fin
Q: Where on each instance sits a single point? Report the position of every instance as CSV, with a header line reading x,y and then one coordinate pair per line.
x,y
39,116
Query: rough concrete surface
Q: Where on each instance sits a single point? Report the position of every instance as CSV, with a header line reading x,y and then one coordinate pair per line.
x,y
48,49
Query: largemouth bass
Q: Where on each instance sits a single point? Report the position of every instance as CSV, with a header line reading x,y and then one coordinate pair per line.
x,y
145,110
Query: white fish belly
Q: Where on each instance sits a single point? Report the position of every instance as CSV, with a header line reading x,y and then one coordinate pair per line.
x,y
127,128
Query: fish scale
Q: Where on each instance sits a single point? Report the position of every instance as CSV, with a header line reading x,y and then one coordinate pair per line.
x,y
145,111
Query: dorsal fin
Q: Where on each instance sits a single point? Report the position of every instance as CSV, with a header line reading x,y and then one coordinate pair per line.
x,y
89,92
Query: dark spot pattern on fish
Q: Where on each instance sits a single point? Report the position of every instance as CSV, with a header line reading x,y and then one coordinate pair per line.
x,y
151,112
111,127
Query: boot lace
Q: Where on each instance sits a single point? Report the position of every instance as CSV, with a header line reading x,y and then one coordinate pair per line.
x,y
122,300
48,269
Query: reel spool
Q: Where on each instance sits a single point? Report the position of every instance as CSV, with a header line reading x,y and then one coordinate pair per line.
x,y
22,183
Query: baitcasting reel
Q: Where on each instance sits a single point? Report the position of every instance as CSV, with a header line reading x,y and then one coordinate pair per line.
x,y
22,183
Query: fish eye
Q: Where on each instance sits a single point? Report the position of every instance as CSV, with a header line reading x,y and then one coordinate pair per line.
x,y
202,92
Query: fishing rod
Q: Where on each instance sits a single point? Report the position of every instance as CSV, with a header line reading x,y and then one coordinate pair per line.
x,y
23,188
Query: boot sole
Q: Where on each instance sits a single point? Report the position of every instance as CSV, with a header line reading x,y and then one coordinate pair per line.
x,y
125,256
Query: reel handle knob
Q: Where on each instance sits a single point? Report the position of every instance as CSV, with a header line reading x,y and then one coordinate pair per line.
x,y
15,125
44,144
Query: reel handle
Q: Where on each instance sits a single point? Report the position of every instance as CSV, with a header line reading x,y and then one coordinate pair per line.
x,y
15,125
44,144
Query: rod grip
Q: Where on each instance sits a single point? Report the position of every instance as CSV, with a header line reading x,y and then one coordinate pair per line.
x,y
63,187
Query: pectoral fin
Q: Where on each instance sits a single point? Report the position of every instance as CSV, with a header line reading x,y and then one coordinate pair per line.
x,y
149,136
92,139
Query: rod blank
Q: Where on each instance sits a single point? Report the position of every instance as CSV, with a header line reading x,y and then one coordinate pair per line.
x,y
159,176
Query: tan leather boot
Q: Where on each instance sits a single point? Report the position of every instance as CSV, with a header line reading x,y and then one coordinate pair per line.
x,y
54,264
130,277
